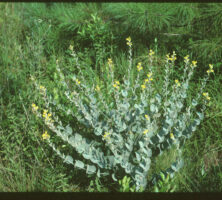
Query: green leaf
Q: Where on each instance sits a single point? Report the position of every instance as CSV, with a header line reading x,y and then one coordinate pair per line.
x,y
79,164
68,130
68,160
91,169
124,93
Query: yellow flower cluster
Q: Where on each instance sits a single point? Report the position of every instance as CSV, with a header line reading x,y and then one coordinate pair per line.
x,y
143,86
206,95
151,52
177,82
145,131
110,62
172,136
149,79
194,63
139,66
77,81
47,115
172,58
45,136
186,59
42,89
106,135
129,43
116,84
211,69
97,88
147,117
34,107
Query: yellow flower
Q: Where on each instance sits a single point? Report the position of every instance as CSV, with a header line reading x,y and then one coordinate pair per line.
x,y
129,43
151,52
145,131
117,82
42,89
128,39
172,136
143,86
146,80
34,107
106,135
110,62
177,82
45,136
147,117
139,66
194,63
211,69
77,81
173,58
186,59
115,86
206,95
97,88
149,74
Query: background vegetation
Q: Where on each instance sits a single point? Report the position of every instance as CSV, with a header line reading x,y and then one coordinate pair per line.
x,y
34,35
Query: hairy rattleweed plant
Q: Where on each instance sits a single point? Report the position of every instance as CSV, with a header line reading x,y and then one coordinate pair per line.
x,y
129,121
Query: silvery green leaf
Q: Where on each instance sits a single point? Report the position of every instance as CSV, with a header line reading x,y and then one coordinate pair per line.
x,y
98,173
68,160
124,93
141,144
136,106
149,153
169,121
68,130
80,148
179,105
158,98
194,128
128,169
166,104
138,157
161,138
72,140
126,82
114,178
78,137
153,108
152,100
128,146
183,95
79,164
194,102
185,85
154,140
157,115
201,116
98,131
174,167
139,171
91,169
197,121
60,127
86,156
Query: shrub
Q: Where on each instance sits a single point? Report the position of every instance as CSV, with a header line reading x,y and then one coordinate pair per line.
x,y
128,121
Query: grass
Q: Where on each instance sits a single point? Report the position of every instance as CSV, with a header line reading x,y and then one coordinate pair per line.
x,y
27,164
